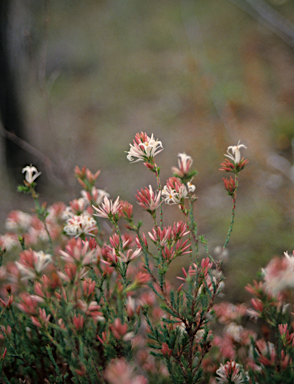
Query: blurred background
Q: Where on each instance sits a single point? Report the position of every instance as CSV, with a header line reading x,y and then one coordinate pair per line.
x,y
79,78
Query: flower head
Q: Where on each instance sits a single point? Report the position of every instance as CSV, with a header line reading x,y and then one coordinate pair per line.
x,y
144,148
184,162
235,154
230,186
231,372
148,200
279,274
32,263
77,225
79,252
174,191
108,209
31,173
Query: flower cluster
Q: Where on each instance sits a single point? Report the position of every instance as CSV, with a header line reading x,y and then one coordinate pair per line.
x,y
84,301
174,192
144,148
234,163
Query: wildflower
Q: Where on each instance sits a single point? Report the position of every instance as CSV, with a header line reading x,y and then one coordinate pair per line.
x,y
191,187
235,154
72,272
144,148
120,372
230,186
78,322
279,274
8,241
179,229
234,331
126,210
85,174
148,200
31,173
91,309
129,256
174,191
78,206
96,195
29,303
165,350
160,235
18,221
43,319
78,252
80,224
108,209
32,263
130,306
184,162
236,163
231,372
141,278
118,329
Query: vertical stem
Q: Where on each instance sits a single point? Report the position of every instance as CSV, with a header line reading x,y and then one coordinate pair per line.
x,y
42,217
193,227
159,189
233,213
185,212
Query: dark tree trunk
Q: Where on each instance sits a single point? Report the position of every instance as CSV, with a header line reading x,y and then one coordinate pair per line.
x,y
10,109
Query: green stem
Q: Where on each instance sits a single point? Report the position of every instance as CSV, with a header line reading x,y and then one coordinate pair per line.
x,y
233,213
193,227
159,189
42,216
185,212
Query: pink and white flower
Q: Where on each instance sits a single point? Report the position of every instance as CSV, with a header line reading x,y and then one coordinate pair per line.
x,y
78,252
174,191
108,209
279,274
96,195
144,148
80,224
231,372
184,163
148,200
32,263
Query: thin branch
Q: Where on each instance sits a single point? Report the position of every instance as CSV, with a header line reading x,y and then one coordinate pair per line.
x,y
269,17
48,165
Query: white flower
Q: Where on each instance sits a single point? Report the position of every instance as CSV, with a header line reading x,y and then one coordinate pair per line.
x,y
80,224
144,148
235,154
234,331
18,221
172,196
42,260
191,187
279,274
31,173
8,241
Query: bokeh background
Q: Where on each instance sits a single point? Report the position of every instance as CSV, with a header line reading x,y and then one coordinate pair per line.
x,y
199,74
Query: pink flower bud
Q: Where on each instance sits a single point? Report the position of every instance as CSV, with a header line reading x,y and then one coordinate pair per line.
x,y
165,350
